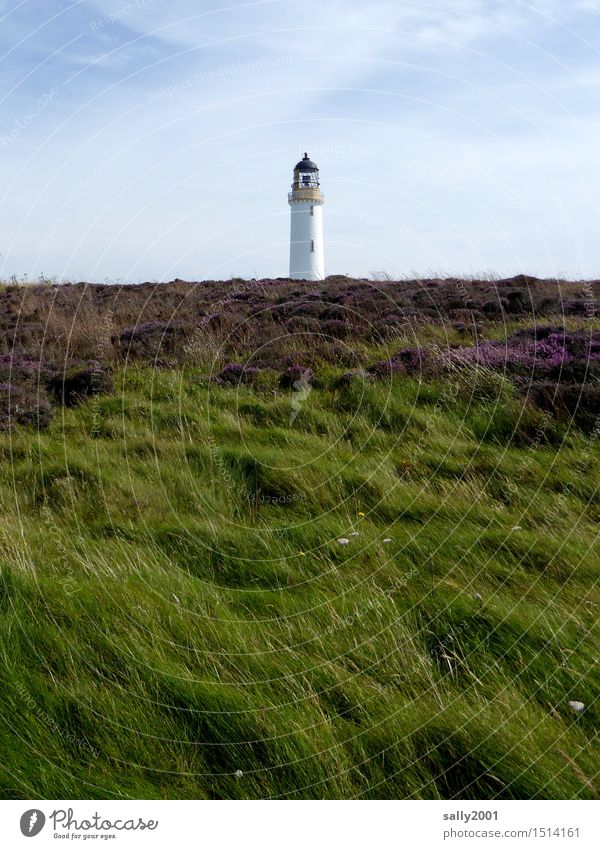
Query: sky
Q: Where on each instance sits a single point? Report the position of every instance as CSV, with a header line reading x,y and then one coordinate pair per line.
x,y
144,141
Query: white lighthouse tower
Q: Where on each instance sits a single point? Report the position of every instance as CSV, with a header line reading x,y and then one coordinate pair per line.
x,y
306,233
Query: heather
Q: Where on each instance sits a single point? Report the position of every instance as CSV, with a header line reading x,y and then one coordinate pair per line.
x,y
543,350
180,322
32,389
61,342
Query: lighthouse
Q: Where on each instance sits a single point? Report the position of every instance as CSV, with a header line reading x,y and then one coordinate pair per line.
x,y
306,232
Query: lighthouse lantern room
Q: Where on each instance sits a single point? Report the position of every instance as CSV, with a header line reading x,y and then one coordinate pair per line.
x,y
306,234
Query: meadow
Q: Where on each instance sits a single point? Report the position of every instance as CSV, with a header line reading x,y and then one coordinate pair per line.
x,y
342,564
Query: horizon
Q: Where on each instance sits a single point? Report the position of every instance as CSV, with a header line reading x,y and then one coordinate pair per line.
x,y
143,143
375,280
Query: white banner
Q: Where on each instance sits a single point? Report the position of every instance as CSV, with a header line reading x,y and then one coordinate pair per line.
x,y
301,824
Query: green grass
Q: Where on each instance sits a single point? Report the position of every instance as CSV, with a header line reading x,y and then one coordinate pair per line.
x,y
175,606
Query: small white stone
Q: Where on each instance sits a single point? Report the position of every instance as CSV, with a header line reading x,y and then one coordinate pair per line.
x,y
578,707
354,534
343,541
516,528
477,597
387,539
238,773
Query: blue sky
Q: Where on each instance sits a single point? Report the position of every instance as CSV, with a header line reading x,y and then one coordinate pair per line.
x,y
143,140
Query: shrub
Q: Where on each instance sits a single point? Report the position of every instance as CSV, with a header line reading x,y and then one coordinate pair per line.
x,y
411,359
303,324
516,301
537,352
406,361
358,375
578,401
25,406
21,368
151,339
573,307
78,382
295,375
382,368
236,373
493,309
337,328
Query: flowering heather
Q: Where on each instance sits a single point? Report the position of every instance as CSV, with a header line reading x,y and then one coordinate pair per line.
x,y
146,341
412,359
405,361
385,368
235,373
293,375
21,363
353,376
553,351
150,321
147,327
336,328
575,307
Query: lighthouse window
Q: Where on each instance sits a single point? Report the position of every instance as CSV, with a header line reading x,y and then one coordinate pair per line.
x,y
306,180
312,210
312,246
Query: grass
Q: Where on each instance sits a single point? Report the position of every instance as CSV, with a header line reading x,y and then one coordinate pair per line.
x,y
176,607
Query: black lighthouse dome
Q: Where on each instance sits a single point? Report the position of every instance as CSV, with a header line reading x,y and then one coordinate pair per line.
x,y
306,164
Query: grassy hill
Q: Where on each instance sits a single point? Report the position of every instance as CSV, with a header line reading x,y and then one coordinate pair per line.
x,y
181,617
